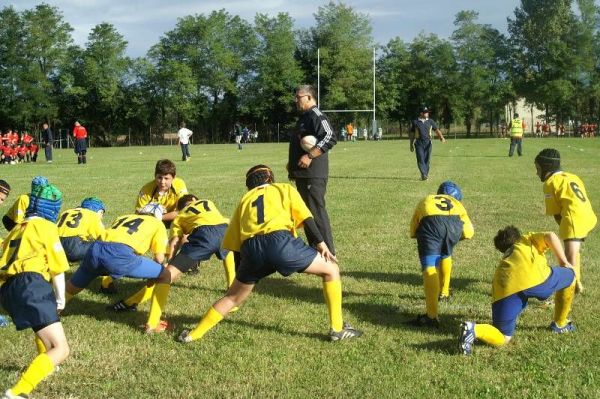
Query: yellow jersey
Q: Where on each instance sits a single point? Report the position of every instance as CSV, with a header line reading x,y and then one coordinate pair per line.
x,y
523,266
149,193
33,246
565,195
80,222
265,209
140,232
198,213
16,212
441,205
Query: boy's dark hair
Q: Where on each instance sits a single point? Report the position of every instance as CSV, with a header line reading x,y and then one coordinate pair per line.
x,y
506,238
165,167
549,161
259,175
4,187
185,200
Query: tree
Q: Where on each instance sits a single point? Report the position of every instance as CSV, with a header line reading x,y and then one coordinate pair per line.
x,y
393,68
277,71
12,36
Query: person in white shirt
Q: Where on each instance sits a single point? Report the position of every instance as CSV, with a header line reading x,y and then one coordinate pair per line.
x,y
184,141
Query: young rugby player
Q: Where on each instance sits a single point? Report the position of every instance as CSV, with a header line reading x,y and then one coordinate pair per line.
x,y
4,191
165,189
204,226
438,224
567,200
79,227
120,253
523,273
262,235
33,256
16,213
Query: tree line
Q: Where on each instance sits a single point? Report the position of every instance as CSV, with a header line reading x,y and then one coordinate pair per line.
x,y
217,69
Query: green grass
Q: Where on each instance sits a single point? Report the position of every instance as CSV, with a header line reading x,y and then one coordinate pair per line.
x,y
275,345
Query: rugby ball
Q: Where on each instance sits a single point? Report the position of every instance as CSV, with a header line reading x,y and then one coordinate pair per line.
x,y
308,142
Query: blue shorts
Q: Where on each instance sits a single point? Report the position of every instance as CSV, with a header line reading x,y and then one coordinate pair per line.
x,y
506,310
29,300
205,241
75,248
279,252
436,238
116,260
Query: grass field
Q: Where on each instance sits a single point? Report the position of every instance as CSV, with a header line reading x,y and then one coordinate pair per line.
x,y
276,346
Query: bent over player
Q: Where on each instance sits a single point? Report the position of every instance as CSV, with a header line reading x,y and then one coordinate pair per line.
x,y
567,200
32,257
204,226
439,222
262,233
523,273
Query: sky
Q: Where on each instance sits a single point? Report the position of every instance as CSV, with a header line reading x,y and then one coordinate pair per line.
x,y
142,23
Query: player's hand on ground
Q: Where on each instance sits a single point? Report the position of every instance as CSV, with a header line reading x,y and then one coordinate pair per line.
x,y
443,140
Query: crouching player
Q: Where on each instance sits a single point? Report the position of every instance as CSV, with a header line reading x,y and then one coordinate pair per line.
x,y
204,226
16,213
78,228
566,200
32,256
262,234
523,273
438,223
120,252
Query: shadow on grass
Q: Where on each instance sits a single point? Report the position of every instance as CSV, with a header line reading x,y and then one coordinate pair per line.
x,y
471,156
285,288
372,178
447,346
407,278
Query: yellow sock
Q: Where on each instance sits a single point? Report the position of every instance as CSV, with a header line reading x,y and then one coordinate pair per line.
x,y
106,281
444,276
38,369
431,283
562,304
210,319
489,334
39,344
577,269
229,265
159,300
141,296
333,299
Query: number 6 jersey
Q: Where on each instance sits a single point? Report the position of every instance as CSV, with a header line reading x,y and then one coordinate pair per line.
x,y
565,195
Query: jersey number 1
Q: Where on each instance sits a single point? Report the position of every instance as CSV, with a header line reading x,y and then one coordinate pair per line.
x,y
260,209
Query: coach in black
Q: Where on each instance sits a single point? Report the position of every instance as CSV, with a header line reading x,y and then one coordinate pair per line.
x,y
310,169
422,128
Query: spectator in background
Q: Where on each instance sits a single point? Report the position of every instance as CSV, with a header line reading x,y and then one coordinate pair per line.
x,y
47,140
80,135
33,152
349,132
184,135
237,130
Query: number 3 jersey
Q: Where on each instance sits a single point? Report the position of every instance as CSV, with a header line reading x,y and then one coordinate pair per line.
x,y
143,233
33,246
80,222
441,205
565,195
263,210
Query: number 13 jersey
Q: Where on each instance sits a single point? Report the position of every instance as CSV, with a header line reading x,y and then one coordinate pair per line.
x,y
265,209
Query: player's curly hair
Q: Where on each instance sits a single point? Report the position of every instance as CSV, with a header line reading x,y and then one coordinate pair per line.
x,y
259,175
165,167
185,200
506,238
549,161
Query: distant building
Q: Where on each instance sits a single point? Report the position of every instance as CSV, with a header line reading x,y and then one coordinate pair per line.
x,y
529,113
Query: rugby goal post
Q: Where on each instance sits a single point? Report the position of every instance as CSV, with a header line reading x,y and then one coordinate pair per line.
x,y
372,111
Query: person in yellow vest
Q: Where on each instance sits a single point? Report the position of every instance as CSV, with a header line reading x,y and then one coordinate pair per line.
x,y
523,273
567,200
517,127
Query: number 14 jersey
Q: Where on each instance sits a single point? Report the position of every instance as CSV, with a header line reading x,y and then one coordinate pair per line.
x,y
140,232
263,210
